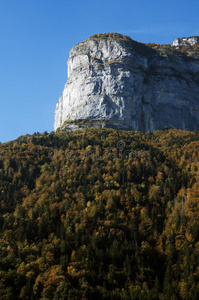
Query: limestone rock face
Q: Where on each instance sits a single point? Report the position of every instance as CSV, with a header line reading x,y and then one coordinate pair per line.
x,y
116,82
193,40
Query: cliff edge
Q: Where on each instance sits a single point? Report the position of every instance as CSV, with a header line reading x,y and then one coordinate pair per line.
x,y
116,82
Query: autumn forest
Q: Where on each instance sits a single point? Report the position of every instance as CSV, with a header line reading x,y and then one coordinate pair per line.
x,y
100,214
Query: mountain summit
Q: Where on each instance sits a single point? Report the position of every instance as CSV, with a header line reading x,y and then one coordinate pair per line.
x,y
116,82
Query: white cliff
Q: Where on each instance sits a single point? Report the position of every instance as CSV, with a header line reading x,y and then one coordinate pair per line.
x,y
127,85
193,40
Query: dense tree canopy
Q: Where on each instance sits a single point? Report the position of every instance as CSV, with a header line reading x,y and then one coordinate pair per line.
x,y
100,214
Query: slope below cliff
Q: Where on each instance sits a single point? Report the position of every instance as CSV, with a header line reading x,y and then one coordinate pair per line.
x,y
91,214
116,82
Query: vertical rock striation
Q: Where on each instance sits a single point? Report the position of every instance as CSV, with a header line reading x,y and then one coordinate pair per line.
x,y
116,82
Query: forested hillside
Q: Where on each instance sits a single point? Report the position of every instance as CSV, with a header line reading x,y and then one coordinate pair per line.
x,y
100,214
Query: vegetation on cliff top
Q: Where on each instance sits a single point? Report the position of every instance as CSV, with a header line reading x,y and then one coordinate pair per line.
x,y
113,35
165,49
183,51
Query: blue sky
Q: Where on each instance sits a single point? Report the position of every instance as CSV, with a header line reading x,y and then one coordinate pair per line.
x,y
37,35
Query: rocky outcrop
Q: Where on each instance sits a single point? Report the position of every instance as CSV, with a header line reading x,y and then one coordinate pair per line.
x,y
116,82
193,40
